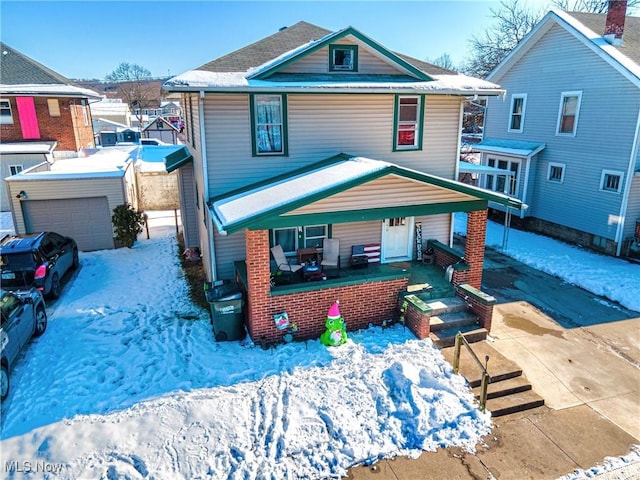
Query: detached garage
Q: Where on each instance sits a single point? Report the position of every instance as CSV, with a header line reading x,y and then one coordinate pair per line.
x,y
75,197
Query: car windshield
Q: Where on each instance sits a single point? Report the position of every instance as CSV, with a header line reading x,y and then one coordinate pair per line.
x,y
18,261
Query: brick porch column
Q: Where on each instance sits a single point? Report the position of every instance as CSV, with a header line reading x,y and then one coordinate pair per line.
x,y
258,282
474,248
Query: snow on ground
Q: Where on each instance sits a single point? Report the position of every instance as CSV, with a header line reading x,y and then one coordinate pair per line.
x,y
610,277
128,382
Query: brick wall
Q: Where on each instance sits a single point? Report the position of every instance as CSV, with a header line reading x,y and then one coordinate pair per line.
x,y
360,305
474,247
68,129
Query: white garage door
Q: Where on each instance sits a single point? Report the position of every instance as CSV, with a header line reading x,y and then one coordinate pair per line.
x,y
86,220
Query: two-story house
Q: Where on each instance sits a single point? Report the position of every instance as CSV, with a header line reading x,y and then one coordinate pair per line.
x,y
309,135
566,137
38,104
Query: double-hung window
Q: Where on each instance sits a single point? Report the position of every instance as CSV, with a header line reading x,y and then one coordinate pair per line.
x,y
269,124
293,238
409,116
516,119
5,113
611,181
568,114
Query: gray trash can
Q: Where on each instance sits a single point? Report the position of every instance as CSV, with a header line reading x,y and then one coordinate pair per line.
x,y
227,316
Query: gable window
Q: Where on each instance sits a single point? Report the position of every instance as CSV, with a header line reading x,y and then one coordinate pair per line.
x,y
268,119
568,115
343,58
408,118
15,169
516,119
555,172
611,181
54,107
5,113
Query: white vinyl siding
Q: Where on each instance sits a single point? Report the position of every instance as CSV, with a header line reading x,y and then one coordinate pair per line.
x,y
517,111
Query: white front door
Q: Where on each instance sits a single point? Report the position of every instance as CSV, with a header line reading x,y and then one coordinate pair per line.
x,y
396,239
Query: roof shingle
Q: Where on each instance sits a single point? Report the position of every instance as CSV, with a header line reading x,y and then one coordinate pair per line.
x,y
18,69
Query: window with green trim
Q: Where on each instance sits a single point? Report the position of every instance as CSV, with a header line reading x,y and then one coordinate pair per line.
x,y
292,238
343,58
268,119
409,115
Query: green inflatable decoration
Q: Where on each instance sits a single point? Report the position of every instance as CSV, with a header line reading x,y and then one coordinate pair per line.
x,y
336,332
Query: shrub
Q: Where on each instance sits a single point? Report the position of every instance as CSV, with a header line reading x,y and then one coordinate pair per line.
x,y
127,223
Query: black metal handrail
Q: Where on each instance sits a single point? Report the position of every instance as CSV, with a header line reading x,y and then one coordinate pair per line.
x,y
486,378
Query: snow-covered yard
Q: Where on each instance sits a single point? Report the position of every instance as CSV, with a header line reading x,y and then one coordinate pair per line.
x,y
128,381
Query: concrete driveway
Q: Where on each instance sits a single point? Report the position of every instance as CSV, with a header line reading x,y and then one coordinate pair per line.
x,y
580,352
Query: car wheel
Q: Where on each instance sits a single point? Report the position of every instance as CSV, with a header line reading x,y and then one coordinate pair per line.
x,y
4,382
41,322
55,286
76,259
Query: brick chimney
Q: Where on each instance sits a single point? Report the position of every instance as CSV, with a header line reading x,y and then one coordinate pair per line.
x,y
614,28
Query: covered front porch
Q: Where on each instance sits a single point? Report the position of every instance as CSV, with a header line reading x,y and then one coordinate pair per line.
x,y
335,192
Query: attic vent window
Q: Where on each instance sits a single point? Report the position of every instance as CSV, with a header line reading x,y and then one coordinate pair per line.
x,y
343,58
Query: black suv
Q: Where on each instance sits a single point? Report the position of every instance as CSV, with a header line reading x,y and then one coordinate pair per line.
x,y
39,260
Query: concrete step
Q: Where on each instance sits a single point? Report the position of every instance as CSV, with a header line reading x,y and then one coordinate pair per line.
x,y
514,403
447,337
448,304
503,388
456,319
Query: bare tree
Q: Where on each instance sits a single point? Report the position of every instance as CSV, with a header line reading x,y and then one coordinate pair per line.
x,y
443,61
512,22
134,87
589,6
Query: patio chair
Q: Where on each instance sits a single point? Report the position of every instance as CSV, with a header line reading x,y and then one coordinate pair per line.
x,y
331,255
283,264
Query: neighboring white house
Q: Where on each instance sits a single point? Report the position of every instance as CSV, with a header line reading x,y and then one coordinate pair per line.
x,y
567,133
113,109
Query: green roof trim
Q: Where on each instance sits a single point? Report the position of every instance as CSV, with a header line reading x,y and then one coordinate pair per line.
x,y
331,38
177,159
234,212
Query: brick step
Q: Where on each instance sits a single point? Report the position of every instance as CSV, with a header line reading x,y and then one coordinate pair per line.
x,y
456,319
446,305
514,403
447,337
503,388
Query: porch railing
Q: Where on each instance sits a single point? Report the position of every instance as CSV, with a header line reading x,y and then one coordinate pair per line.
x,y
486,378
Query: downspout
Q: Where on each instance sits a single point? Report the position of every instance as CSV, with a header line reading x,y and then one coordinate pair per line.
x,y
525,187
457,168
627,187
205,174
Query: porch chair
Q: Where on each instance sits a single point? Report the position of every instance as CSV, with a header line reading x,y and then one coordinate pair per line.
x,y
283,264
331,255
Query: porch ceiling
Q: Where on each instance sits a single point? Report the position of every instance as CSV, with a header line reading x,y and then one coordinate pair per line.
x,y
346,189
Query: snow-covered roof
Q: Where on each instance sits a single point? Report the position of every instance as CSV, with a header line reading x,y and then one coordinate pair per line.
x,y
250,206
238,81
96,163
593,40
509,147
27,147
58,90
